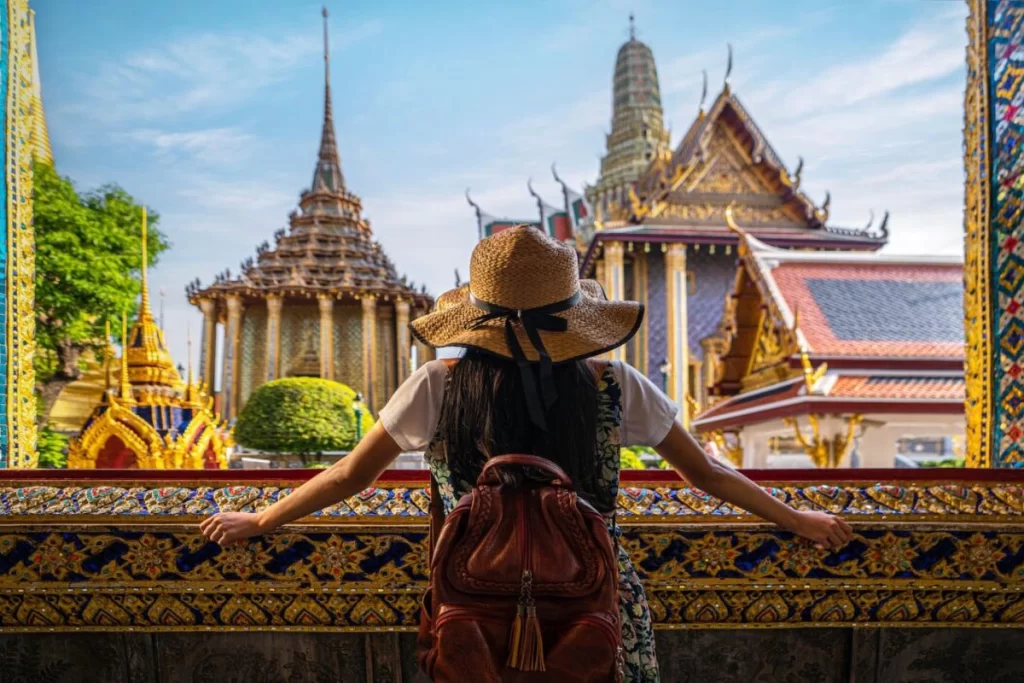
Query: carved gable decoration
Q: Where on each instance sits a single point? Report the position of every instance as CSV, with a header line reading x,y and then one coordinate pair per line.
x,y
727,169
772,349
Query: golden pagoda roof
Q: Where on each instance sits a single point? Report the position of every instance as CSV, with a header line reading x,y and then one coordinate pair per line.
x,y
148,360
164,422
328,247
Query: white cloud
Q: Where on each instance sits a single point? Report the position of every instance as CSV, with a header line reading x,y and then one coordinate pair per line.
x,y
210,145
927,52
199,72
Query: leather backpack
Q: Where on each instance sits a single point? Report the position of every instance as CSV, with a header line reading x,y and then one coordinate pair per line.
x,y
523,583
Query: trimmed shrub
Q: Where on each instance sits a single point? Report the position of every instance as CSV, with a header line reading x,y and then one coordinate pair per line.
x,y
301,415
629,460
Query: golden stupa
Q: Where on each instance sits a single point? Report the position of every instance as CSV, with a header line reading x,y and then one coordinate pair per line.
x,y
152,419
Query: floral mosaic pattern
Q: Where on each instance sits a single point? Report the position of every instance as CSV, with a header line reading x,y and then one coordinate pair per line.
x,y
882,500
158,577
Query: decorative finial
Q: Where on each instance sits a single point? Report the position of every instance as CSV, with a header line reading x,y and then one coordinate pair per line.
x,y
145,262
798,172
883,229
703,93
730,221
188,344
554,172
126,386
632,26
728,65
107,355
327,49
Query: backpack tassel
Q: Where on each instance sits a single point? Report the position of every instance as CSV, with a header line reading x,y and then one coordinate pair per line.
x,y
526,643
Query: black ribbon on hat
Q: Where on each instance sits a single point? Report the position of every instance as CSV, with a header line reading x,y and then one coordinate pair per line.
x,y
533,320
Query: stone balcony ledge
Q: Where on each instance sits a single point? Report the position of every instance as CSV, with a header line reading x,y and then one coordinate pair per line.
x,y
104,577
100,550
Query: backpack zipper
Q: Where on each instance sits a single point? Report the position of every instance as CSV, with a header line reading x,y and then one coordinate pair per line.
x,y
526,644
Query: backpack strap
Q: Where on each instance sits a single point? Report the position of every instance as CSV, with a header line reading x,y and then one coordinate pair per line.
x,y
488,475
436,505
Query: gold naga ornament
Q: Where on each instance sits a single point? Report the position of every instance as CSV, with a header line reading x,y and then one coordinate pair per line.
x,y
153,419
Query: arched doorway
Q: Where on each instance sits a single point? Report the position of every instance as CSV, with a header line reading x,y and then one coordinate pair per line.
x,y
116,455
210,458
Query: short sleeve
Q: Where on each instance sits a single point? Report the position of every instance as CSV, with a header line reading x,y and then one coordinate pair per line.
x,y
411,416
647,413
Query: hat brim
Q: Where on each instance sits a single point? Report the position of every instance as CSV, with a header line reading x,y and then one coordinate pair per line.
x,y
595,326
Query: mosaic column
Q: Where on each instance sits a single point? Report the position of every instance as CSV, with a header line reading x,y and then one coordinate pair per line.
x,y
678,344
326,336
232,358
369,347
273,337
208,350
614,255
17,244
402,339
994,233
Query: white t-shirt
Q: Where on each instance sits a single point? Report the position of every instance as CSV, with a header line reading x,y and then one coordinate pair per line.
x,y
411,416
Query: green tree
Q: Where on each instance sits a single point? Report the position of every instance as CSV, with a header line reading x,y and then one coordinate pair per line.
x,y
305,416
52,448
88,257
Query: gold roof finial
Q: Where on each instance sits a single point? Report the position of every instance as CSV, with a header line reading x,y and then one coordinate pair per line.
x,y
144,312
126,385
728,67
107,356
703,95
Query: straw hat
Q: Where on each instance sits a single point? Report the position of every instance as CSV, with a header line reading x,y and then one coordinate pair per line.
x,y
519,275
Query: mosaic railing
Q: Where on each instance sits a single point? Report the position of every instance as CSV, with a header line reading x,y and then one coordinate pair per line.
x,y
121,550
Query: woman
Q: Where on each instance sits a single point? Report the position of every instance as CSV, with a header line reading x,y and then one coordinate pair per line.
x,y
524,385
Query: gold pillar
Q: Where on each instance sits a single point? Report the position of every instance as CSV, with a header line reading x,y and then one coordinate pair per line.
x,y
326,336
402,339
232,358
385,354
273,337
678,344
615,287
208,353
640,294
599,274
369,347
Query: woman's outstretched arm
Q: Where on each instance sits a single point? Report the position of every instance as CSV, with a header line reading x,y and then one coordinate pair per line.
x,y
345,478
685,455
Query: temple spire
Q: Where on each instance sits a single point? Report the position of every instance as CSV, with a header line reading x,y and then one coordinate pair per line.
x,y
632,26
327,176
126,386
144,312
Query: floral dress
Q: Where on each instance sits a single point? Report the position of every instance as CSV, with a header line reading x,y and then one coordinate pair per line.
x,y
641,664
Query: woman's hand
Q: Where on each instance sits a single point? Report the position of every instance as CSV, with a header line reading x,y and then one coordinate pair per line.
x,y
826,531
227,527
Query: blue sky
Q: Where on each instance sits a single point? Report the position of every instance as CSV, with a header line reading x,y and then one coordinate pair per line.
x,y
210,112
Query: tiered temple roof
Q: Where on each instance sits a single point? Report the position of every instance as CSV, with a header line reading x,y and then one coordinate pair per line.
x,y
838,332
328,248
638,132
725,159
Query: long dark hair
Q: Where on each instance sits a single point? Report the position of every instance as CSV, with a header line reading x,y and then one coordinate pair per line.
x,y
485,415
